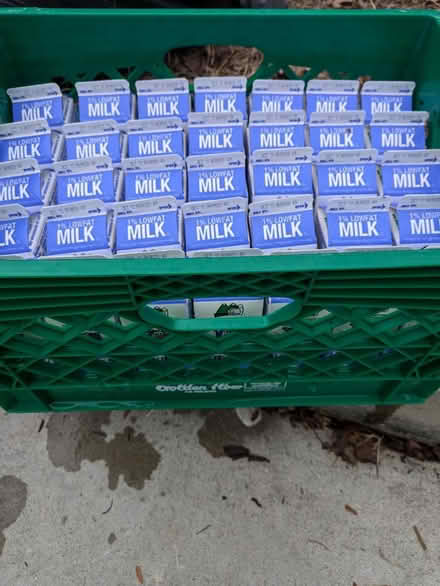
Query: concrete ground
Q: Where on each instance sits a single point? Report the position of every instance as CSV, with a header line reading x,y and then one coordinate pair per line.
x,y
122,499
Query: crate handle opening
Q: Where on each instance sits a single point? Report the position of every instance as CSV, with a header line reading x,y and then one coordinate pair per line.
x,y
264,322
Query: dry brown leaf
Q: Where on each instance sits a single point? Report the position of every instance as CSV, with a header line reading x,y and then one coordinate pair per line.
x,y
139,575
350,509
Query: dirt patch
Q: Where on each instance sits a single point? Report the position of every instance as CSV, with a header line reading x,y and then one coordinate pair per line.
x,y
111,539
222,434
76,437
13,496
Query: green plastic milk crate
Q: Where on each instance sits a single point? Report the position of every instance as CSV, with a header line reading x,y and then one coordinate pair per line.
x,y
364,327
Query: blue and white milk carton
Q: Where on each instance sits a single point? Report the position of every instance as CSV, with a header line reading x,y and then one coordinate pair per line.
x,y
19,232
209,134
332,95
84,140
220,94
107,99
30,140
281,173
286,224
341,130
277,95
379,97
349,173
418,219
155,136
85,179
411,173
398,131
154,177
43,101
76,229
160,98
216,225
22,182
351,223
216,176
145,226
279,130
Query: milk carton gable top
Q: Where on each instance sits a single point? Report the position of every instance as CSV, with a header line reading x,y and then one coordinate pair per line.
x,y
412,157
419,201
400,118
93,128
337,118
13,168
74,166
160,86
215,118
300,154
18,129
233,204
347,156
153,163
388,87
277,118
171,123
35,92
220,84
215,161
278,86
330,86
103,87
336,204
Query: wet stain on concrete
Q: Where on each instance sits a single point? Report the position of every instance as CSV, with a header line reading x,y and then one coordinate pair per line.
x,y
13,496
381,414
111,538
222,428
64,520
75,437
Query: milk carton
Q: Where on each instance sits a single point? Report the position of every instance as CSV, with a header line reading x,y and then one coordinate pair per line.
x,y
379,97
351,172
209,134
351,223
85,140
108,99
76,229
216,177
154,177
19,232
228,307
30,140
398,131
274,304
279,130
155,136
277,95
160,98
22,182
85,179
281,173
343,130
332,95
220,94
216,225
175,308
411,173
418,219
41,102
286,224
146,226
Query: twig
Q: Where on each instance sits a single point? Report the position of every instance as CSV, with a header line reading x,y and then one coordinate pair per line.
x,y
350,509
204,529
41,425
319,543
109,509
257,502
139,575
385,559
420,538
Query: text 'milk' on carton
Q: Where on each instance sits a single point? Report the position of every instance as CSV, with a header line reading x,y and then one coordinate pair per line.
x,y
281,173
286,224
23,183
160,98
342,130
279,130
216,177
220,94
108,99
418,220
19,232
351,172
210,134
76,229
277,95
411,173
398,131
216,225
85,140
85,179
30,140
379,97
332,95
350,223
43,101
154,177
145,226
156,136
